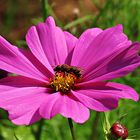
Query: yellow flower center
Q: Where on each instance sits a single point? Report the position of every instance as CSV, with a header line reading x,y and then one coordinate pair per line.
x,y
65,78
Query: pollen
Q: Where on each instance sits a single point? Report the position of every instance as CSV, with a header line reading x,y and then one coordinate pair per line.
x,y
65,78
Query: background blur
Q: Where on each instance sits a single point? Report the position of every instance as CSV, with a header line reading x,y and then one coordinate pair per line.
x,y
16,16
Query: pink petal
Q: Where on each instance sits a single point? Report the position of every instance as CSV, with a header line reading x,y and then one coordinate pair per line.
x,y
71,43
47,42
117,64
100,46
24,109
123,91
22,99
103,96
28,118
44,70
13,60
64,105
98,103
83,44
12,82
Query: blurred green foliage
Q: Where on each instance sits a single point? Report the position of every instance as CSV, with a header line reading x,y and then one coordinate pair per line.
x,y
112,12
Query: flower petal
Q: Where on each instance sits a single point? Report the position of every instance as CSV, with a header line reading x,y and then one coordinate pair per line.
x,y
98,47
71,43
70,40
105,103
47,42
22,99
83,45
27,118
12,59
19,81
117,64
120,90
24,109
103,96
64,105
44,70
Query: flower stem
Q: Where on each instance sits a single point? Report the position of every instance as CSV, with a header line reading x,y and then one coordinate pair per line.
x,y
71,129
38,132
44,4
95,126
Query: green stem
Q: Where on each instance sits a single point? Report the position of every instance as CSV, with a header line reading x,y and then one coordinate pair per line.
x,y
106,125
95,126
44,8
71,129
38,132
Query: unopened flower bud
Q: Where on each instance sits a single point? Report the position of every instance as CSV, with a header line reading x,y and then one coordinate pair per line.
x,y
119,131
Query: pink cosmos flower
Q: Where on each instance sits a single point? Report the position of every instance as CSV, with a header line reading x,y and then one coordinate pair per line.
x,y
62,74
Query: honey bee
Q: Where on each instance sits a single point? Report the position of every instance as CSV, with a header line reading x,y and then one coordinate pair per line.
x,y
68,69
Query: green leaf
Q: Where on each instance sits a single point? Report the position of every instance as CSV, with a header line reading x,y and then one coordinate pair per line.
x,y
78,21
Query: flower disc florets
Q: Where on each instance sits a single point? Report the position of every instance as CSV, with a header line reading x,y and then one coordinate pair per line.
x,y
65,78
